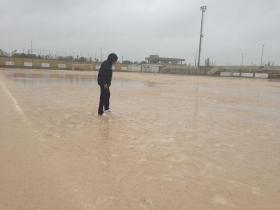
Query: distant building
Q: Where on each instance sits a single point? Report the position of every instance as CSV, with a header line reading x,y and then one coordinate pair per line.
x,y
161,60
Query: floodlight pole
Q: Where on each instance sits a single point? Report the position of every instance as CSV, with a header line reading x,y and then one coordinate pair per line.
x,y
203,9
195,57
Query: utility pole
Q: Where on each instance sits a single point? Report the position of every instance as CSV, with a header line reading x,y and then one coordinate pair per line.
x,y
31,53
203,9
242,60
262,55
101,54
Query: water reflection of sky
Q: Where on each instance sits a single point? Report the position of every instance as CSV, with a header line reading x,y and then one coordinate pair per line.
x,y
37,80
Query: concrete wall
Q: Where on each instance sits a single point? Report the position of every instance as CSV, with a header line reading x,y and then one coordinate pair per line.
x,y
37,63
246,69
217,70
179,69
134,67
153,68
171,69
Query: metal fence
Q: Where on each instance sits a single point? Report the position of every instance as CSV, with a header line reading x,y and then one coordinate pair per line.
x,y
57,55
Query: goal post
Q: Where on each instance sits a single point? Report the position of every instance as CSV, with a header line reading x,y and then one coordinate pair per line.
x,y
82,67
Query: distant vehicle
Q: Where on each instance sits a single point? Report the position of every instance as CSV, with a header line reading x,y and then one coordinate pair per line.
x,y
274,76
78,68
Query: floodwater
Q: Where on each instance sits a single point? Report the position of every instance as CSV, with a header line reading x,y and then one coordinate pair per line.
x,y
51,79
171,142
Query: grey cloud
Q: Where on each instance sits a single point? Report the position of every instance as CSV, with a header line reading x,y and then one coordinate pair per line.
x,y
136,29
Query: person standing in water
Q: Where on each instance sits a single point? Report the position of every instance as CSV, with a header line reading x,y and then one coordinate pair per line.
x,y
104,81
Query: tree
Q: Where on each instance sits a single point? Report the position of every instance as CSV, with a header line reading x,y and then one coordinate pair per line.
x,y
16,55
83,59
69,58
143,62
127,62
3,53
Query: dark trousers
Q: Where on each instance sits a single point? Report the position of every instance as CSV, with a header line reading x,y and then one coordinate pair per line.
x,y
104,99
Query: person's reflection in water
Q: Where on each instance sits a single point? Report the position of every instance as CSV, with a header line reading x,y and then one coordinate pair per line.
x,y
104,148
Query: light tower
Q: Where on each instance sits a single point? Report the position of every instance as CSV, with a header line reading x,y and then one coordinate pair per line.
x,y
203,9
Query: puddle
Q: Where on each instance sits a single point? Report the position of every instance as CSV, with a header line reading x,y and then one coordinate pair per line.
x,y
45,79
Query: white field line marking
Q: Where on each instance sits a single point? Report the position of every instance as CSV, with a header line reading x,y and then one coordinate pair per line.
x,y
17,106
75,187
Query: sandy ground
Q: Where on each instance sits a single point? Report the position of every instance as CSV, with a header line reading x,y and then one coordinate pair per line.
x,y
177,142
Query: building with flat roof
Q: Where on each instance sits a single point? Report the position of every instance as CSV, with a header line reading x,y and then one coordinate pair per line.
x,y
161,60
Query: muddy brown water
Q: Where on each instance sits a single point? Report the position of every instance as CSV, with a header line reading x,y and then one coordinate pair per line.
x,y
187,142
45,79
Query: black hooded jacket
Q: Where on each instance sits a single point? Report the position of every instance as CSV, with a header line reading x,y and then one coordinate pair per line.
x,y
105,72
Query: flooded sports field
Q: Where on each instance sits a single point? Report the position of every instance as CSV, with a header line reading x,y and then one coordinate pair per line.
x,y
171,142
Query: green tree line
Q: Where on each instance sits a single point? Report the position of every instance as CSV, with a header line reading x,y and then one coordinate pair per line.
x,y
14,54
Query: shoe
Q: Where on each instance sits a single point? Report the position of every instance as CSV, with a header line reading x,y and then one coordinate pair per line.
x,y
104,114
108,110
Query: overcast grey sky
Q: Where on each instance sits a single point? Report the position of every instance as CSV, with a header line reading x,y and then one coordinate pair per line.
x,y
136,29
